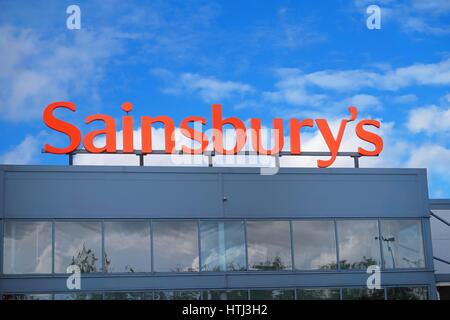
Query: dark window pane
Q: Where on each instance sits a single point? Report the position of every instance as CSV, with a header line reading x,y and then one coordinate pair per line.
x,y
177,295
362,294
318,294
78,243
127,246
78,296
123,296
314,245
402,244
269,245
223,245
358,244
276,294
26,296
225,295
410,293
27,247
175,245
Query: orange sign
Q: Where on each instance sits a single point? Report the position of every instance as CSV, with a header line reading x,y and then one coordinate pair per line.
x,y
333,142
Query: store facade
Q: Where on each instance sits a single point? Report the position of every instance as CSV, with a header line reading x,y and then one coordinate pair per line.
x,y
214,233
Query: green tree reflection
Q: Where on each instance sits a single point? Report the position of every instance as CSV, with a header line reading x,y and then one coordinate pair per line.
x,y
85,260
275,264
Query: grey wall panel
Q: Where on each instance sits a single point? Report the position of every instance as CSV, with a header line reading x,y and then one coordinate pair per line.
x,y
320,195
110,195
213,281
155,192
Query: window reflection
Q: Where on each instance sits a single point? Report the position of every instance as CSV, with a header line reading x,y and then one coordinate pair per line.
x,y
269,245
358,244
126,296
175,245
225,295
276,294
418,293
222,245
402,244
78,296
314,245
177,295
78,243
318,294
27,247
27,296
127,246
362,294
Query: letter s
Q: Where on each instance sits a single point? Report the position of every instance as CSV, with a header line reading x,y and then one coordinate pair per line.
x,y
370,137
61,126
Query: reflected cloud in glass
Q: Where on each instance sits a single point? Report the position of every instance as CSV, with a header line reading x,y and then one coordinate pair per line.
x,y
402,244
175,245
78,243
269,245
314,245
358,244
127,246
222,245
27,247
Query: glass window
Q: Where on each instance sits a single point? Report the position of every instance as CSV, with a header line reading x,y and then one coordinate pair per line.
x,y
177,295
78,296
225,295
418,293
269,245
318,294
362,294
27,247
28,296
124,296
222,245
276,294
314,245
175,245
358,244
78,243
127,246
402,244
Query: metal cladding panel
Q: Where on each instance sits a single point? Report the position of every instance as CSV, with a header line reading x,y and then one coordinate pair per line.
x,y
157,192
215,281
326,195
110,195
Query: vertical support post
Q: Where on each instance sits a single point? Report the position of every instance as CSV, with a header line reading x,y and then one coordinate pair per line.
x,y
141,159
210,160
356,160
70,159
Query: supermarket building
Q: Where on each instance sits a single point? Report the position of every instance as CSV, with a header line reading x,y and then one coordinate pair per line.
x,y
220,233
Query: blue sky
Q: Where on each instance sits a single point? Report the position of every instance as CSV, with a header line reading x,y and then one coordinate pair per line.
x,y
277,59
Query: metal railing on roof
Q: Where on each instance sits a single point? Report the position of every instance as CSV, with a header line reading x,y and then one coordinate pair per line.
x,y
211,154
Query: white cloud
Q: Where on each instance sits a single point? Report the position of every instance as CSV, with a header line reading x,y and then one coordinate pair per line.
x,y
297,88
406,98
429,119
436,7
363,102
209,89
434,157
36,70
25,152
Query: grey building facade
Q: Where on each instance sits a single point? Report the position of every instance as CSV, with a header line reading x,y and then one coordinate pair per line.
x,y
214,233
